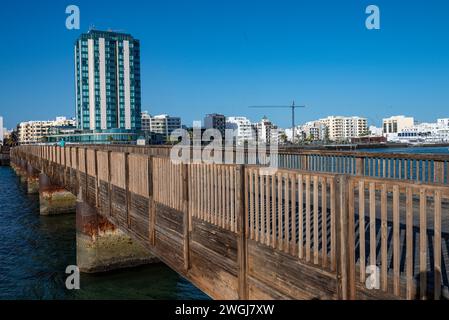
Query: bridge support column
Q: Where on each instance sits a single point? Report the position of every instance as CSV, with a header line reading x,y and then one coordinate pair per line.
x,y
54,199
32,180
103,247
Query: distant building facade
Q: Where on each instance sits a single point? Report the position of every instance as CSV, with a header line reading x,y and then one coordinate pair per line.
x,y
215,121
243,129
32,132
162,124
267,132
341,128
396,124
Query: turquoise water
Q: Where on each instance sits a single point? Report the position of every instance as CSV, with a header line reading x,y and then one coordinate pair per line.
x,y
35,250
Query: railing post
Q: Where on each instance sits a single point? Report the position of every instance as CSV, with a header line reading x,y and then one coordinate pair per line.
x,y
241,232
342,224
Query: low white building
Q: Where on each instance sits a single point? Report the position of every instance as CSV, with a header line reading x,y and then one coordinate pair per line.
x,y
437,132
375,131
31,132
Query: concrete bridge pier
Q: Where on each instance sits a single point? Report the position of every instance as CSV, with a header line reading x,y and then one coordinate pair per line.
x,y
20,169
103,247
32,180
53,198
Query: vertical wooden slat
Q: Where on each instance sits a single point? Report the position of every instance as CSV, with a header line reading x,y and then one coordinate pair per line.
x,y
300,216
242,224
396,253
384,239
273,211
262,209
324,221
246,198
372,218
307,217
333,225
251,206
233,199
362,231
223,196
437,246
267,209
315,221
286,213
257,207
351,240
280,243
293,214
422,243
409,241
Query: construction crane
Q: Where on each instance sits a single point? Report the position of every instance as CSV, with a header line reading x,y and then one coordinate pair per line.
x,y
293,107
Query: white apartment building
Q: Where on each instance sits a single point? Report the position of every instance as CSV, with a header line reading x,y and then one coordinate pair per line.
x,y
244,130
342,128
267,132
396,124
34,131
161,124
312,130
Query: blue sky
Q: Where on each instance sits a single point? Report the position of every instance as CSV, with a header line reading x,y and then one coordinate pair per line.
x,y
221,56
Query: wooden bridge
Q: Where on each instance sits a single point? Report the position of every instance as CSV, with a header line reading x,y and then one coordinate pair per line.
x,y
320,227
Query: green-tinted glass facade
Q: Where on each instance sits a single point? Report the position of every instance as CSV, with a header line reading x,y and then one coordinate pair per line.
x,y
108,92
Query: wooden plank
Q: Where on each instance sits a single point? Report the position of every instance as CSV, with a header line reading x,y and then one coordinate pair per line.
x,y
293,214
333,225
280,243
257,207
267,210
300,215
351,241
422,243
396,244
251,206
362,231
384,239
409,242
286,213
246,199
341,222
323,221
262,209
233,198
315,221
307,218
372,218
273,211
242,218
437,246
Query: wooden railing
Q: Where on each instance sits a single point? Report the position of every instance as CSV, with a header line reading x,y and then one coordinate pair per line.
x,y
418,167
345,224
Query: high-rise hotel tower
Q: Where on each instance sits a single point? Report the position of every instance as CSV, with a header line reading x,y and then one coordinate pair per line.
x,y
107,72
